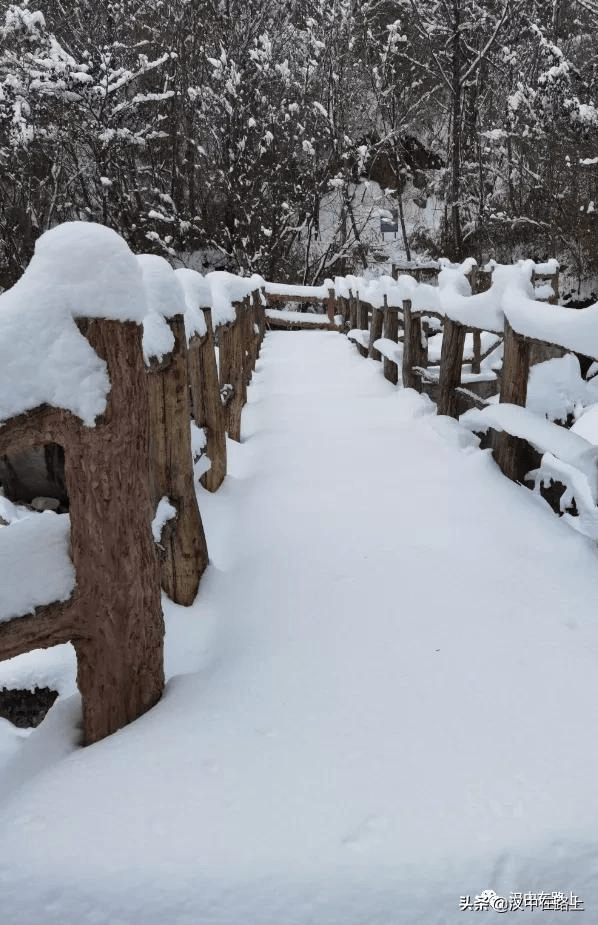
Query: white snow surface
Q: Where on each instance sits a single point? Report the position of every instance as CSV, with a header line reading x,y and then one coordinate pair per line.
x,y
556,388
78,270
296,317
382,699
165,299
574,329
35,563
198,295
296,292
545,436
227,289
587,424
165,511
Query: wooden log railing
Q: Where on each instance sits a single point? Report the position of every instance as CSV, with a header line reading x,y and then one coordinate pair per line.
x,y
114,616
138,452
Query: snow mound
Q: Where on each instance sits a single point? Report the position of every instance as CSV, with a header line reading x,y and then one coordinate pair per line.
x,y
35,563
79,270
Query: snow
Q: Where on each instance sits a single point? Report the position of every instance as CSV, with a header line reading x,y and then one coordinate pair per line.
x,y
35,563
298,292
452,298
587,424
164,513
574,329
79,270
296,317
165,299
545,436
556,388
389,349
359,337
198,295
376,704
226,290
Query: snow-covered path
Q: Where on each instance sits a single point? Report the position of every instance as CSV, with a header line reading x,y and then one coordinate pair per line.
x,y
383,699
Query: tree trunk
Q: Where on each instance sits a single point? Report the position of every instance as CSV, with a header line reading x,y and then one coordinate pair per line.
x,y
455,187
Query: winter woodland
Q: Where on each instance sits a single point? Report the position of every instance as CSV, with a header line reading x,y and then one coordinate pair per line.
x,y
270,137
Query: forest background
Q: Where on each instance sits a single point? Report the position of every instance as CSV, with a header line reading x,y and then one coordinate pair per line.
x,y
220,133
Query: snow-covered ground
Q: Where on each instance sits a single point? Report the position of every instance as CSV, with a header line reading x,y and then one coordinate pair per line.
x,y
383,699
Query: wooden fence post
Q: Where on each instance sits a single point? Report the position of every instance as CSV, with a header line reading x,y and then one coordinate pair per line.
x,y
352,311
231,373
255,329
114,617
510,452
184,553
331,307
391,332
481,280
453,342
206,404
414,351
376,330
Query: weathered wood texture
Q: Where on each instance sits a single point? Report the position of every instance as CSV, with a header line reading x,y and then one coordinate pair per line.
x,y
331,307
376,331
352,310
245,316
361,322
206,404
481,281
453,342
415,352
183,547
510,452
231,373
390,331
114,618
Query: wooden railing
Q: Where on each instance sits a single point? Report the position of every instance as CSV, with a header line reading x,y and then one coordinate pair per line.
x,y
139,453
116,473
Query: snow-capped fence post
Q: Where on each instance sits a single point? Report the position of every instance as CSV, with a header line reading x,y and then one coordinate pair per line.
x,y
376,330
114,616
414,352
509,452
182,542
390,331
206,403
453,342
231,373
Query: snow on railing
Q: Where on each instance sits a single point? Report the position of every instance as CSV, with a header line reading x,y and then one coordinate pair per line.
x,y
493,305
107,355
